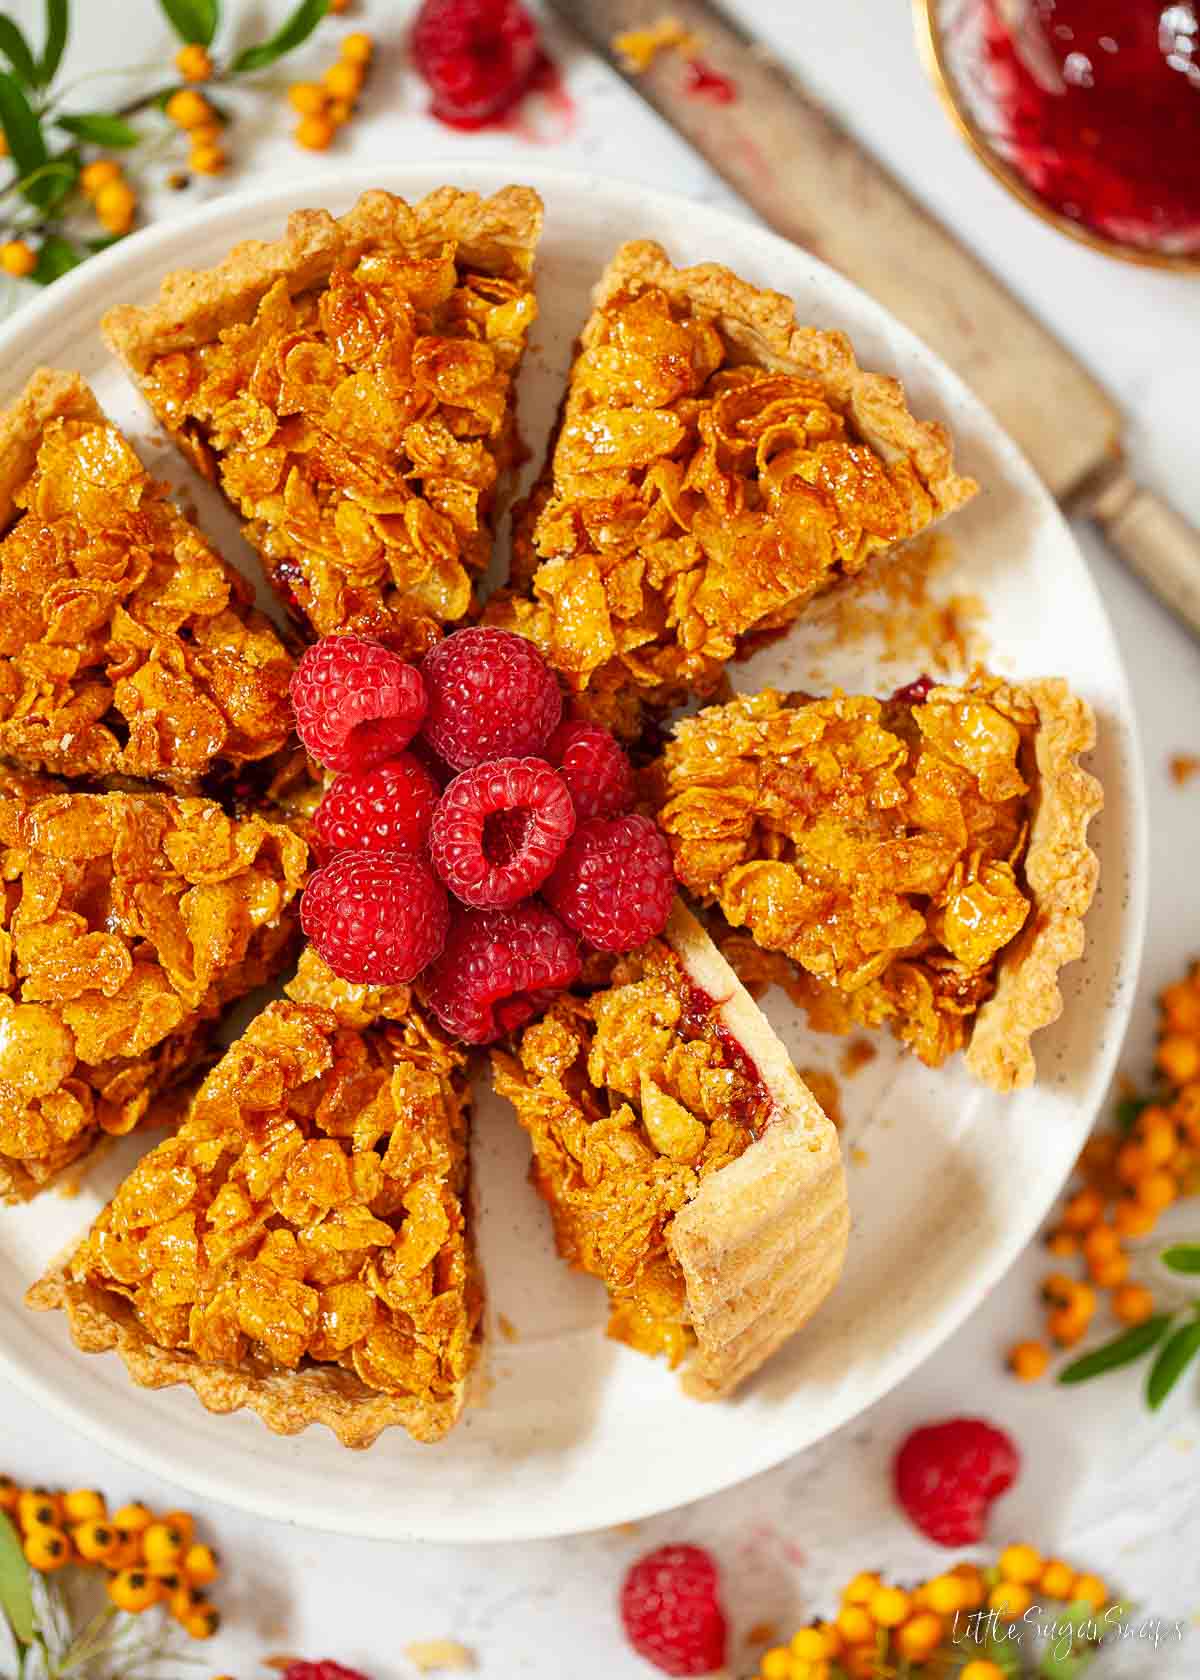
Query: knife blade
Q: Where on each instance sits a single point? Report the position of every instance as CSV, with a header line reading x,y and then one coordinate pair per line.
x,y
810,180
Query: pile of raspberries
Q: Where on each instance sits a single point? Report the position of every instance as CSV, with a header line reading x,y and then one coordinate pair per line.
x,y
471,835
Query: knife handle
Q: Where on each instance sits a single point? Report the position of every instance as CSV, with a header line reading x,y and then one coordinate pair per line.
x,y
1161,546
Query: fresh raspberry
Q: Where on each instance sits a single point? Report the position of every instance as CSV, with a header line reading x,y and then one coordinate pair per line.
x,y
478,57
499,969
498,831
596,770
491,695
947,1474
356,702
615,883
387,809
671,1611
320,1671
916,692
376,917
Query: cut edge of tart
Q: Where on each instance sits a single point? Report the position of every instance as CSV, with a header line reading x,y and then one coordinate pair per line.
x,y
162,669
315,1390
368,479
718,1228
1062,872
762,1243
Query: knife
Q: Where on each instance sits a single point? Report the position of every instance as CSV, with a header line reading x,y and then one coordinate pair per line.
x,y
810,180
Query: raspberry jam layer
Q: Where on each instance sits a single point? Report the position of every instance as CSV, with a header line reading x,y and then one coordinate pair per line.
x,y
748,1107
1099,111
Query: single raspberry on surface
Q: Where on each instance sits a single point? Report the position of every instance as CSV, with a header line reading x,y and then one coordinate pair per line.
x,y
377,918
595,768
356,702
615,883
478,57
498,831
947,1475
320,1671
671,1611
385,809
499,969
491,695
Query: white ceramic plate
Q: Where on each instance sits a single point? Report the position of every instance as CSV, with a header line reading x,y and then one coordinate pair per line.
x,y
947,1181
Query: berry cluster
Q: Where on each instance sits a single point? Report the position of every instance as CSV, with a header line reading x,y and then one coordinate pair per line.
x,y
461,793
328,105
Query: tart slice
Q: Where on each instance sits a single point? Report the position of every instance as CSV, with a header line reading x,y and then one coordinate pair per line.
x,y
920,862
716,466
684,1161
128,647
129,922
300,1246
351,389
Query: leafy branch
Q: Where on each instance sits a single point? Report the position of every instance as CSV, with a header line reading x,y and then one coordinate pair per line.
x,y
55,178
1177,1344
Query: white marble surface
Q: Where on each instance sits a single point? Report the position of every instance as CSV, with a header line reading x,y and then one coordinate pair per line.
x,y
1103,1483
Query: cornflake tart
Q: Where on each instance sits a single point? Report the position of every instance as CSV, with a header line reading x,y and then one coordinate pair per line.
x,y
684,1161
300,1246
920,862
716,466
351,389
131,920
127,645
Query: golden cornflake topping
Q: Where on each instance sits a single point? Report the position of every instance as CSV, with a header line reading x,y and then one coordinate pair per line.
x,y
310,1208
128,922
360,428
631,1097
877,844
127,645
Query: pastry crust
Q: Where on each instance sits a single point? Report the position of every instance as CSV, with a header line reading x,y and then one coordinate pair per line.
x,y
497,235
287,1401
48,395
762,1243
1061,872
762,327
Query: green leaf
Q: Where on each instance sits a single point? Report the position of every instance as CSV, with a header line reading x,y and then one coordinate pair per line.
x,y
297,28
16,1582
23,132
194,21
17,51
50,184
1122,1350
100,129
57,257
1182,1257
1128,1110
57,22
1172,1361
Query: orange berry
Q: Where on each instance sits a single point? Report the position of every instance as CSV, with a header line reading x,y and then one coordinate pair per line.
x,y
1097,1154
1110,1273
861,1662
98,174
1083,1209
1157,1190
1066,1326
946,1594
339,112
972,1585
861,1588
1028,1361
207,160
1057,1288
1010,1598
134,1590
1057,1579
309,98
1101,1242
207,134
919,1638
202,1623
1181,1005
3,143
201,1565
1091,1589
1022,1564
358,48
17,258
336,7
889,1606
1132,1162
188,109
46,1548
1132,1220
982,1668
95,1540
1157,1135
1132,1303
193,63
855,1625
1062,1244
343,80
810,1645
80,1504
314,133
1179,1058
37,1508
116,206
